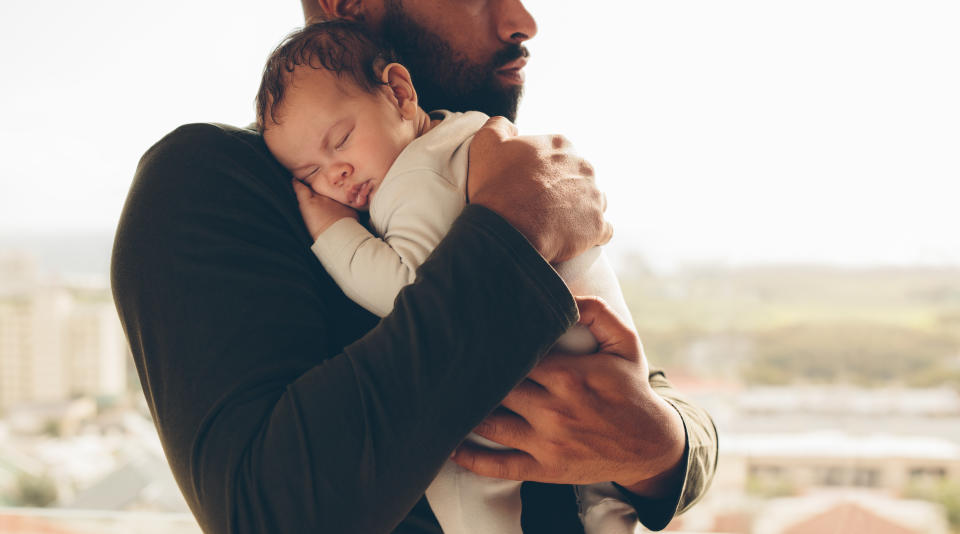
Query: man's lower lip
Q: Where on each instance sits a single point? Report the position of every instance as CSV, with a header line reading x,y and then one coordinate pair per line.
x,y
512,76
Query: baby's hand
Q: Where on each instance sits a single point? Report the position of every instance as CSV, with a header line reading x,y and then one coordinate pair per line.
x,y
319,212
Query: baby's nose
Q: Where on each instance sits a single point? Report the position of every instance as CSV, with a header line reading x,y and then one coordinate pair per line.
x,y
339,173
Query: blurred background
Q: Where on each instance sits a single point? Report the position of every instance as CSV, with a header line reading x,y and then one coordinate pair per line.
x,y
782,179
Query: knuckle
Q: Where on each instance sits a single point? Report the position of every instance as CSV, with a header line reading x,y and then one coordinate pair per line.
x,y
586,168
503,470
600,303
599,221
556,448
591,303
484,427
467,459
556,421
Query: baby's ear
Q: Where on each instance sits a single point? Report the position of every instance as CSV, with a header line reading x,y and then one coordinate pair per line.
x,y
397,77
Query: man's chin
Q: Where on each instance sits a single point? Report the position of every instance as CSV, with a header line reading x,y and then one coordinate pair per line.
x,y
510,78
504,101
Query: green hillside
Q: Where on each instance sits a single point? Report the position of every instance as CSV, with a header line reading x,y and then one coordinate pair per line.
x,y
795,324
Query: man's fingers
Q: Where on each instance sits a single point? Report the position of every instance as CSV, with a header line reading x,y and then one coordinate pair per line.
x,y
560,373
560,142
606,233
612,333
511,465
586,170
525,397
505,428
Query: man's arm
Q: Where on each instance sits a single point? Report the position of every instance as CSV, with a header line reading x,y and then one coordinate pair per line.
x,y
272,417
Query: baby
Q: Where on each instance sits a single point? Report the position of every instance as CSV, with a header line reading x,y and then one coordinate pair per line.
x,y
342,116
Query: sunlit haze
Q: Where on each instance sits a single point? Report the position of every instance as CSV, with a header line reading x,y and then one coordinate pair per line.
x,y
733,132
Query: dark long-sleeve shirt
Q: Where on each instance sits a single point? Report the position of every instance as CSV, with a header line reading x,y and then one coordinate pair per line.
x,y
283,406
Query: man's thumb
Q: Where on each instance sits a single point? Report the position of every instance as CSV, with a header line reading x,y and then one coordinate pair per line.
x,y
612,333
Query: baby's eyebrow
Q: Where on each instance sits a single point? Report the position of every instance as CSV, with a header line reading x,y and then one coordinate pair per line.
x,y
324,142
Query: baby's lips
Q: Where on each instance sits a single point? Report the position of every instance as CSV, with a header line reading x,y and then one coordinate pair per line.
x,y
353,193
364,191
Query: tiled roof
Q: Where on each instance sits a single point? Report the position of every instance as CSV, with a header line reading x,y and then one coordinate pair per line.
x,y
848,518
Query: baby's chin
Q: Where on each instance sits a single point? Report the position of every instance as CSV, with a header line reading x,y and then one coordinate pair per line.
x,y
365,207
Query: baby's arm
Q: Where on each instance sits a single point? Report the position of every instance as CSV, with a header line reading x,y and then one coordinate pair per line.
x,y
414,210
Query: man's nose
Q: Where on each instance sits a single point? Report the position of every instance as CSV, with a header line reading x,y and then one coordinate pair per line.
x,y
338,173
514,23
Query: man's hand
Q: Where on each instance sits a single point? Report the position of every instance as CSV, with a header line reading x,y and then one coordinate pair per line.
x,y
581,419
319,212
540,186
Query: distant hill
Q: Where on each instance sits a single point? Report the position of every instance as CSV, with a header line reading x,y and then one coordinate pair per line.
x,y
788,324
67,254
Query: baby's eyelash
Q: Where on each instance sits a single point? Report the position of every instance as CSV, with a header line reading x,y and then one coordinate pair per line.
x,y
344,140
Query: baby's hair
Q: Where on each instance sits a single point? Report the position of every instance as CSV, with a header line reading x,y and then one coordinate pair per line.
x,y
338,46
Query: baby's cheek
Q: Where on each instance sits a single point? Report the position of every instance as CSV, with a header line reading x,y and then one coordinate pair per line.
x,y
322,189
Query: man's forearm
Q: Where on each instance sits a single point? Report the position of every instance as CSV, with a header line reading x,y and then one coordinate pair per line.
x,y
659,499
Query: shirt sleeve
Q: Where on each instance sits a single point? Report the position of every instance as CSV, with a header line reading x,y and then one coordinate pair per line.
x,y
700,460
415,210
276,412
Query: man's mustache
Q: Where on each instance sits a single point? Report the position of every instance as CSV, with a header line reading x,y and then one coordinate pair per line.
x,y
508,54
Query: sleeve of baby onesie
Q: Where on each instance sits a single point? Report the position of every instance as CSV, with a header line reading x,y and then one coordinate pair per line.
x,y
415,210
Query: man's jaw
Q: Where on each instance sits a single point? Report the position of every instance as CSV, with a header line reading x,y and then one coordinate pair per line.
x,y
447,80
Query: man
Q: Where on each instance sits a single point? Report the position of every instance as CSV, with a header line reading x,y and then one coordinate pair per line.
x,y
284,407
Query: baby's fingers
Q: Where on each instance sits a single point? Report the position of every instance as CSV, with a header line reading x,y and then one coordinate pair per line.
x,y
303,192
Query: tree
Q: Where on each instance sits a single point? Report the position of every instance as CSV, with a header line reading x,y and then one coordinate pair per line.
x,y
943,492
34,491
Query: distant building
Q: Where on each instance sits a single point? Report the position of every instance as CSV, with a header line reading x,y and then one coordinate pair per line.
x,y
93,344
57,340
849,400
806,461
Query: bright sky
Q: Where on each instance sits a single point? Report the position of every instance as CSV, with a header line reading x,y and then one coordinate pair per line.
x,y
735,131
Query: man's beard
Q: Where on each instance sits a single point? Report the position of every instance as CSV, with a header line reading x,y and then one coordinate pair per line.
x,y
446,79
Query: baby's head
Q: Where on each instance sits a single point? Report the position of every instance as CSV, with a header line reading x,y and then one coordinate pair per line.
x,y
336,110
